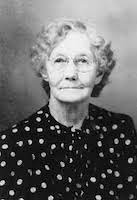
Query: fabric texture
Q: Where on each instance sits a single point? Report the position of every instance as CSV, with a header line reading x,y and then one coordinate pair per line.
x,y
41,159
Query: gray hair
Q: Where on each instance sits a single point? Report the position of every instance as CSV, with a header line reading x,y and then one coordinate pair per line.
x,y
55,32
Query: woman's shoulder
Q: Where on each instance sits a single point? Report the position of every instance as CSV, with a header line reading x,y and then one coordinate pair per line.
x,y
27,125
113,120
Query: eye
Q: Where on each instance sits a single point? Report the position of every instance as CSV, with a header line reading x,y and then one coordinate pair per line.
x,y
60,60
82,61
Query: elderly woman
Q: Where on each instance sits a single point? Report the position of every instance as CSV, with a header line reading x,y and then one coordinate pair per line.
x,y
70,149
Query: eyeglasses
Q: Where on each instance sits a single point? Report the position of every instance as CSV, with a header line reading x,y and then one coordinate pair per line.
x,y
83,63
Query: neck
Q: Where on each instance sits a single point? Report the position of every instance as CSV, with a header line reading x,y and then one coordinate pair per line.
x,y
69,114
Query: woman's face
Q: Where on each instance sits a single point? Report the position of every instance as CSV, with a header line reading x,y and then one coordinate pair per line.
x,y
71,70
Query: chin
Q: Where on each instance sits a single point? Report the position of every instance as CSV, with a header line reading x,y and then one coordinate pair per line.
x,y
73,96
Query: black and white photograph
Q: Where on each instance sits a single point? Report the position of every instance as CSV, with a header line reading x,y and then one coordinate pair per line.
x,y
68,100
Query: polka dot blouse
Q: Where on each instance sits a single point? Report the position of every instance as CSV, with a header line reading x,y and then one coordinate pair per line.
x,y
41,159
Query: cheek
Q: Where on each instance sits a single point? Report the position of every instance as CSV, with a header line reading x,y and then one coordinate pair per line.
x,y
88,79
54,78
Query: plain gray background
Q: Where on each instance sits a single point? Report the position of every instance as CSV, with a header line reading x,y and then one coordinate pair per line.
x,y
20,20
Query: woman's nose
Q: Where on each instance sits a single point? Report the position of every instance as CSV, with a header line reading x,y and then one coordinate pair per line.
x,y
71,72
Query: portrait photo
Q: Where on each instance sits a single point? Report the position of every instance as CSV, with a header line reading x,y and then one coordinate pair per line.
x,y
68,115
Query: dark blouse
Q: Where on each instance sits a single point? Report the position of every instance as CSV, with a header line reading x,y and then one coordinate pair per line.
x,y
41,159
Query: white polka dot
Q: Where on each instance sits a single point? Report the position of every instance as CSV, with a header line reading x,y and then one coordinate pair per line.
x,y
97,127
38,119
21,198
19,162
70,160
50,197
101,136
99,143
12,154
87,131
103,175
57,126
130,160
101,154
3,137
62,164
41,141
115,126
130,179
53,146
77,151
122,135
73,141
111,192
15,130
39,130
62,145
120,186
69,179
4,146
67,189
116,141
111,150
30,142
47,167
117,174
59,177
43,154
70,147
73,129
78,185
44,185
19,181
11,193
13,126
2,182
87,184
33,156
104,129
127,142
27,128
33,189
38,172
30,172
131,197
101,186
40,112
100,117
98,197
111,161
12,173
93,179
3,164
52,127
58,131
118,155
20,143
85,146
47,115
109,171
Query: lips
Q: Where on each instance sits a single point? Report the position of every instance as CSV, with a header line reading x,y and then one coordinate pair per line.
x,y
71,88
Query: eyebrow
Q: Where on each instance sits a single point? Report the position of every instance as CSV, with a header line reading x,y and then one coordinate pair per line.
x,y
81,54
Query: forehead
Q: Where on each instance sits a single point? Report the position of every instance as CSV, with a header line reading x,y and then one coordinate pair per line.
x,y
74,43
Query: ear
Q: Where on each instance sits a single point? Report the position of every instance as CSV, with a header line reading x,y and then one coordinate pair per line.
x,y
44,74
98,79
